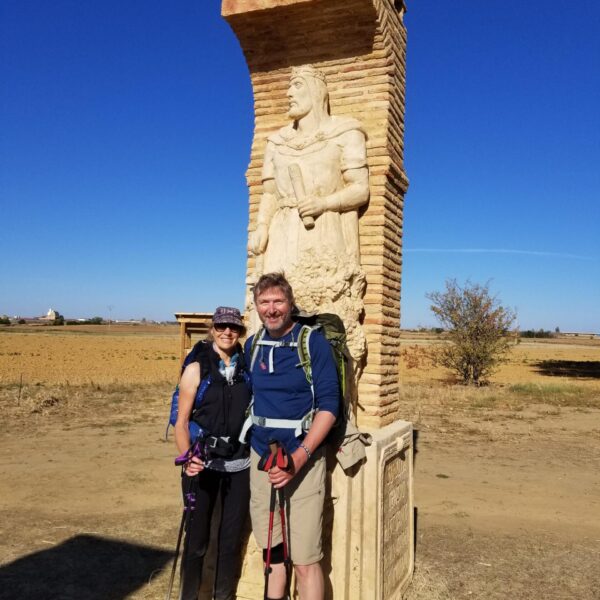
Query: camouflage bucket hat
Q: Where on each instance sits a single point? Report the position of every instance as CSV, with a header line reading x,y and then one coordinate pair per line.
x,y
228,316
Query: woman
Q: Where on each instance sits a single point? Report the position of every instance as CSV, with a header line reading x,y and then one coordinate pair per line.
x,y
224,466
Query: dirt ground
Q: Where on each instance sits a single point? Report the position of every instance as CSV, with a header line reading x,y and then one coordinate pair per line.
x,y
507,480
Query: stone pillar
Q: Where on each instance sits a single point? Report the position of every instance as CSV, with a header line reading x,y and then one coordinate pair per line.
x,y
360,45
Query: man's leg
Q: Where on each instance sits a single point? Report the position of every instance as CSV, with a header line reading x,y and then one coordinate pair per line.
x,y
276,589
306,494
310,582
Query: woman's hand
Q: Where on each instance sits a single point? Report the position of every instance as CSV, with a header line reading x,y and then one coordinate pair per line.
x,y
193,466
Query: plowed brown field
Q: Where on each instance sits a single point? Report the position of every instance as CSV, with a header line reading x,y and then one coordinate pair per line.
x,y
125,355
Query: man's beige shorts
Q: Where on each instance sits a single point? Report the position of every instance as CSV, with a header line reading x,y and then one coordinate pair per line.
x,y
304,496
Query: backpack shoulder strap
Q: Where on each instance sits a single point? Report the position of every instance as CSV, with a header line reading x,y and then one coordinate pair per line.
x,y
304,351
200,353
254,346
305,359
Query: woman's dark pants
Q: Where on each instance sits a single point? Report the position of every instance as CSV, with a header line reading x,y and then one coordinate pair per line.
x,y
235,496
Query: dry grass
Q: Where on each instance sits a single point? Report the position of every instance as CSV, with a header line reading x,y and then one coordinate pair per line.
x,y
427,584
94,405
527,363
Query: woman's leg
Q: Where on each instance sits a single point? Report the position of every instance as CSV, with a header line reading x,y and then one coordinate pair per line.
x,y
197,535
235,497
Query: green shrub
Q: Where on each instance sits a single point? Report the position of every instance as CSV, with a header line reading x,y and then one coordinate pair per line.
x,y
478,330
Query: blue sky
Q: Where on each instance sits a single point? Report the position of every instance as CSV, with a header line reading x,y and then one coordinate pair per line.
x,y
125,132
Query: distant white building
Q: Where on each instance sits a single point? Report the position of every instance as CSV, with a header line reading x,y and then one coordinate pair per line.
x,y
50,315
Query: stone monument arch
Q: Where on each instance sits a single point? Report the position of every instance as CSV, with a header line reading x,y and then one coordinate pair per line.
x,y
326,186
359,46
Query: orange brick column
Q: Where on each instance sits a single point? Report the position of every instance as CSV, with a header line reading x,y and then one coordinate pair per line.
x,y
361,47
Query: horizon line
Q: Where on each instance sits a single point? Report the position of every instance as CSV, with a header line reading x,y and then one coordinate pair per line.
x,y
502,251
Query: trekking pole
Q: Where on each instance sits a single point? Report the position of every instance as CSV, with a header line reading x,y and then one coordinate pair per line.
x,y
265,464
269,542
277,457
284,534
189,504
284,462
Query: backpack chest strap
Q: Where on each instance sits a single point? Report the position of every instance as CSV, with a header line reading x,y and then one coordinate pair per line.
x,y
272,345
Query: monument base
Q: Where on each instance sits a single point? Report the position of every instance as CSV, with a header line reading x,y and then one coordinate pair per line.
x,y
369,527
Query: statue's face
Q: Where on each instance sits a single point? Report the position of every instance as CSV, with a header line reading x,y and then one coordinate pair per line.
x,y
299,98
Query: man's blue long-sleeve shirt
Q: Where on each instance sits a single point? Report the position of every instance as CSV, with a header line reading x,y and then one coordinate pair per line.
x,y
285,393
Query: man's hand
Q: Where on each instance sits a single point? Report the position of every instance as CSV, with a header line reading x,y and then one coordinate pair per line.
x,y
280,478
311,206
257,243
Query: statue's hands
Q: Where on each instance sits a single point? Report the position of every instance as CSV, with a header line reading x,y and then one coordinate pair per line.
x,y
257,242
311,206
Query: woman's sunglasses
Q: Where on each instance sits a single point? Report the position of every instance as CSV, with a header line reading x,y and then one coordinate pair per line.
x,y
221,327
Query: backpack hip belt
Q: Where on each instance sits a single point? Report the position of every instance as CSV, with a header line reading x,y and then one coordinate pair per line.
x,y
299,426
220,446
213,441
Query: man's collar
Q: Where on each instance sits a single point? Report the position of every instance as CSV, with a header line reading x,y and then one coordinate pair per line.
x,y
285,334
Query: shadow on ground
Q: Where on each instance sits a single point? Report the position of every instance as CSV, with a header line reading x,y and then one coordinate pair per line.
x,y
588,369
84,566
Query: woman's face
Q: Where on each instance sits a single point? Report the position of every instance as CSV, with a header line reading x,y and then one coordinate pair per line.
x,y
226,336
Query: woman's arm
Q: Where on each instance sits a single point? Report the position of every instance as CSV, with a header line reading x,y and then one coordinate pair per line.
x,y
188,386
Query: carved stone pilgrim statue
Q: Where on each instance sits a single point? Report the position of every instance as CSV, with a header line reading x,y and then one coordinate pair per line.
x,y
315,178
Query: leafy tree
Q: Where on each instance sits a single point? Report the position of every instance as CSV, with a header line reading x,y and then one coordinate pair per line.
x,y
478,330
58,319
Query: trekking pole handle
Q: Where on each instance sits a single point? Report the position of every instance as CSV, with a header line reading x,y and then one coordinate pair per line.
x,y
183,458
299,191
194,450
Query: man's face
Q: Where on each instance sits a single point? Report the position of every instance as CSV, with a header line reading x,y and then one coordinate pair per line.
x,y
299,98
275,311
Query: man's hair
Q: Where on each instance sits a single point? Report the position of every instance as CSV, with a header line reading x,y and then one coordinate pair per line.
x,y
271,280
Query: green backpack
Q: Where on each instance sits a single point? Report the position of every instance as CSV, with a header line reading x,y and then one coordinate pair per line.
x,y
332,327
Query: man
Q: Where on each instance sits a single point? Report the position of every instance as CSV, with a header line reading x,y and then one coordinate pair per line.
x,y
282,392
311,231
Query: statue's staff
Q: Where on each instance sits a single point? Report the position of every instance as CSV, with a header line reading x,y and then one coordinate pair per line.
x,y
299,191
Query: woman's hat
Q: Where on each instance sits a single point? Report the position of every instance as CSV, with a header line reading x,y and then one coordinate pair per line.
x,y
228,316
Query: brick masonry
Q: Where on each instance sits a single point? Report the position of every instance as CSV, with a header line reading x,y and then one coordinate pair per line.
x,y
361,47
